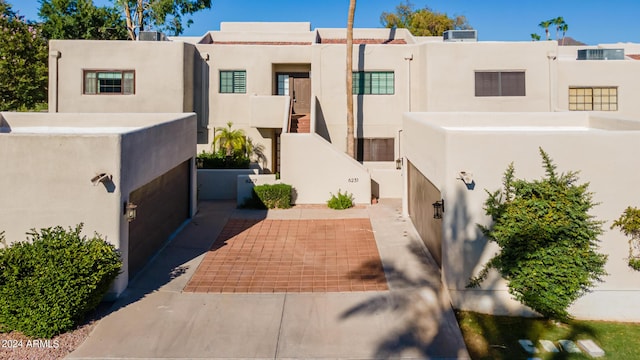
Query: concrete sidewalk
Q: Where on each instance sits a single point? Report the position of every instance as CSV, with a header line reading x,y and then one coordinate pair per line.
x,y
154,319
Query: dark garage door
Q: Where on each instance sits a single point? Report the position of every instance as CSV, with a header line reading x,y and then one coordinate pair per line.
x,y
422,194
163,205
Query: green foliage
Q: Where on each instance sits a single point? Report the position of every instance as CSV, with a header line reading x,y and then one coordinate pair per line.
x,y
547,238
491,337
235,147
81,19
49,283
23,62
164,15
422,22
276,196
340,201
560,25
629,224
218,160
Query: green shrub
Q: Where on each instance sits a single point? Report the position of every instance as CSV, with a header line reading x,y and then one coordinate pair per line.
x,y
219,160
341,201
50,282
547,238
270,197
629,224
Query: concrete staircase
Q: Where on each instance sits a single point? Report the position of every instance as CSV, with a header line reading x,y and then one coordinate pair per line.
x,y
300,123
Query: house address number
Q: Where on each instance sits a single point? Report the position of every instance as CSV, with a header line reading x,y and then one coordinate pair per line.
x,y
353,180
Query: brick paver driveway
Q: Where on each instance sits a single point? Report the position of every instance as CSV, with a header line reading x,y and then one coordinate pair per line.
x,y
334,255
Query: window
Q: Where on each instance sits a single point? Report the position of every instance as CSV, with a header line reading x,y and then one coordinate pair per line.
x,y
233,82
500,83
283,84
593,98
373,82
100,82
375,149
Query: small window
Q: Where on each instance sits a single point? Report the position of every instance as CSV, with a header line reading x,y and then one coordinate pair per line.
x,y
500,83
593,98
109,82
373,83
233,82
375,149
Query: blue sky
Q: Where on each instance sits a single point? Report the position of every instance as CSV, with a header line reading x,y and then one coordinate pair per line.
x,y
590,21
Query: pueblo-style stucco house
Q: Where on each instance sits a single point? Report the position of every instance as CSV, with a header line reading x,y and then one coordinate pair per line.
x,y
433,114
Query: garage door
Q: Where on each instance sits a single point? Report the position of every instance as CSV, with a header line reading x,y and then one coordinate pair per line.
x,y
422,195
163,205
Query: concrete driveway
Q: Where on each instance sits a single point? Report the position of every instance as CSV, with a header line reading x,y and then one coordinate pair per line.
x,y
157,319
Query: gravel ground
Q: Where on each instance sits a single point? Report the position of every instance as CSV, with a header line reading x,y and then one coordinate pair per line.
x,y
15,346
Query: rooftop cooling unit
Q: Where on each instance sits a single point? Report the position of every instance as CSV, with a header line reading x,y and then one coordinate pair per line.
x,y
460,35
601,54
151,36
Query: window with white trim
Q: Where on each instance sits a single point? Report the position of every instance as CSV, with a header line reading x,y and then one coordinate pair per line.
x,y
108,82
233,81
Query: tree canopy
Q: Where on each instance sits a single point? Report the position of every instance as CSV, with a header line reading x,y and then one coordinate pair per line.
x,y
422,22
547,239
81,19
23,62
164,15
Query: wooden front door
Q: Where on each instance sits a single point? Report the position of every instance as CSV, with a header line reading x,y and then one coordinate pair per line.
x,y
301,92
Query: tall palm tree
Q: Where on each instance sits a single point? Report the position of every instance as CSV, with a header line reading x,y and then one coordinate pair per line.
x,y
558,23
351,148
545,25
564,27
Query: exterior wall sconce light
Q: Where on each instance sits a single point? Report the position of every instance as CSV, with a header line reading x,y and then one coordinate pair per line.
x,y
131,211
467,179
399,162
101,178
438,209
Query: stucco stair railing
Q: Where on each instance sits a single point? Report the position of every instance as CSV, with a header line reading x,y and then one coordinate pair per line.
x,y
316,169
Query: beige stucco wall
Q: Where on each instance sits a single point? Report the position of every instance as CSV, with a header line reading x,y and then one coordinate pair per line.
x,y
163,75
47,172
316,170
445,73
602,157
624,74
374,115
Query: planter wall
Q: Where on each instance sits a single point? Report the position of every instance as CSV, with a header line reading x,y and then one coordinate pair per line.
x,y
220,184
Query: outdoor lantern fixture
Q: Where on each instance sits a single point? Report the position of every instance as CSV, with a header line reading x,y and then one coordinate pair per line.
x,y
438,209
399,164
131,211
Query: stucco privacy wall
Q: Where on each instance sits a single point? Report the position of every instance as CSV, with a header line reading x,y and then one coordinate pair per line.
x,y
316,170
49,160
163,75
599,149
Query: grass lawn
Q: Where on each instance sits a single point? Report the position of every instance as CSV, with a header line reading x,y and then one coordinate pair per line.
x,y
496,337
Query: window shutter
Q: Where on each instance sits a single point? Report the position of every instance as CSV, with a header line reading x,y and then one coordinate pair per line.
x,y
512,83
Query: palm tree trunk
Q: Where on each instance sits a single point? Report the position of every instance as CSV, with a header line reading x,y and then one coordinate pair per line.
x,y
127,16
351,149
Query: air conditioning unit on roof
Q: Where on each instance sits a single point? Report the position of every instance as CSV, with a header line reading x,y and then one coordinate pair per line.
x,y
601,54
151,36
460,35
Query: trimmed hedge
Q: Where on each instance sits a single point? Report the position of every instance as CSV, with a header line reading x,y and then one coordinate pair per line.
x,y
270,197
49,283
218,160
